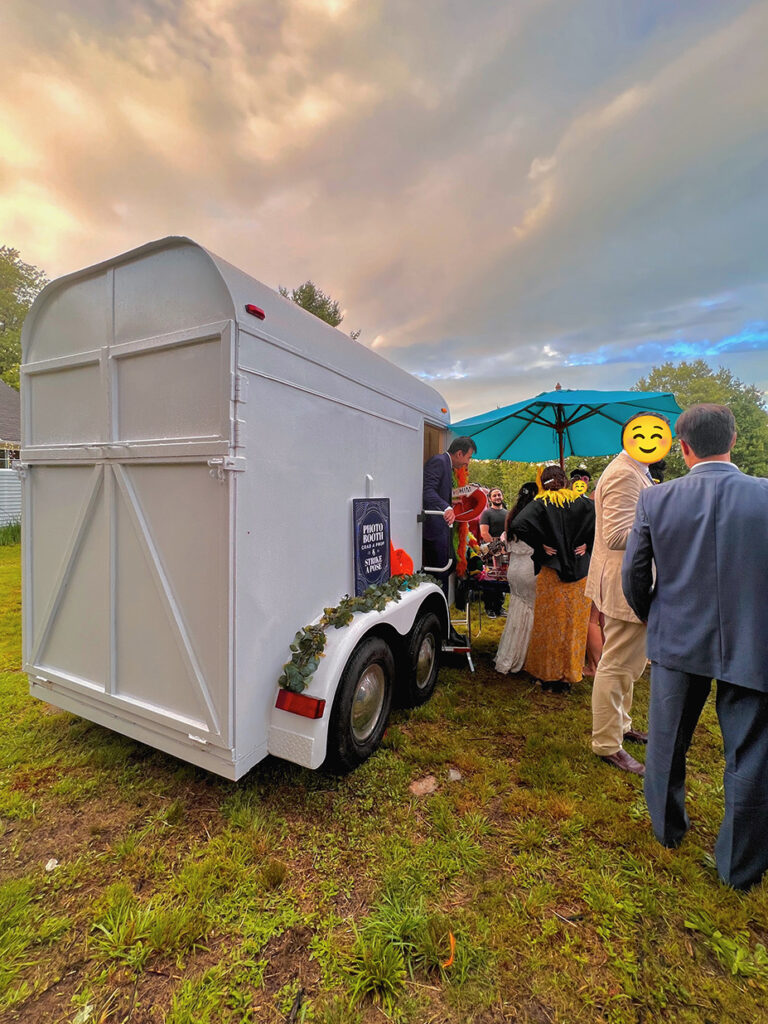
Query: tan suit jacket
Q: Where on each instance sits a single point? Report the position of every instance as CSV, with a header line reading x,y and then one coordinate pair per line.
x,y
616,496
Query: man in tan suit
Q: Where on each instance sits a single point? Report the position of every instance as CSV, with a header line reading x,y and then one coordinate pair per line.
x,y
623,659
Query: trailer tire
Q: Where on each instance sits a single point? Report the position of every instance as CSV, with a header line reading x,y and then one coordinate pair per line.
x,y
423,661
363,701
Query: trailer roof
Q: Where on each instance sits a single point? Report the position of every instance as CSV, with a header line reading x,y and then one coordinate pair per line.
x,y
182,282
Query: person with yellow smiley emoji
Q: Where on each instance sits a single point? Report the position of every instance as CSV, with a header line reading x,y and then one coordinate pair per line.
x,y
580,479
646,438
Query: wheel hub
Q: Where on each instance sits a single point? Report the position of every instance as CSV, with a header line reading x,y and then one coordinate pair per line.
x,y
367,702
425,660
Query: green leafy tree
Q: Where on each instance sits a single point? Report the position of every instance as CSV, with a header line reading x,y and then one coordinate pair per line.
x,y
595,465
692,383
509,476
315,301
19,284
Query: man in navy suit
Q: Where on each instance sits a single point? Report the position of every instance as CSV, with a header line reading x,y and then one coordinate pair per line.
x,y
438,496
707,535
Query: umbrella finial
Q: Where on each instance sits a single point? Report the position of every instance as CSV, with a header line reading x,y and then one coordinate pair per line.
x,y
558,387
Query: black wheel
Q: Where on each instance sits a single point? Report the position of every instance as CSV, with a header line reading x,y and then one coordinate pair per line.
x,y
423,661
361,708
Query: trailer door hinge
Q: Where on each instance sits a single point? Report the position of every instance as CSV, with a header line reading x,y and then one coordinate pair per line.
x,y
240,388
222,464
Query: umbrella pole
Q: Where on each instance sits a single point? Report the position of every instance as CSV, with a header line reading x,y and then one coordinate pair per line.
x,y
560,428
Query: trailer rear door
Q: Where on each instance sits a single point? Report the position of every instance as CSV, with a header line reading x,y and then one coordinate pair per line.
x,y
128,527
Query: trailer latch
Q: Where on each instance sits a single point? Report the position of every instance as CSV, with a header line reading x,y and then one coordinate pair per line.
x,y
222,464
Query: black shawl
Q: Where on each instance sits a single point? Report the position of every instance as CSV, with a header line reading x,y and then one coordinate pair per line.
x,y
561,526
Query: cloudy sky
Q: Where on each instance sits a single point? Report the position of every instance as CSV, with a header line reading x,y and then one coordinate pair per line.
x,y
502,194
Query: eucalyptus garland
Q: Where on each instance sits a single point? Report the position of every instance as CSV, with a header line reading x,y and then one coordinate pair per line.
x,y
309,643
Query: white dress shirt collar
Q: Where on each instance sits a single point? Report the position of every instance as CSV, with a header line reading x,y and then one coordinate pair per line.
x,y
642,466
714,462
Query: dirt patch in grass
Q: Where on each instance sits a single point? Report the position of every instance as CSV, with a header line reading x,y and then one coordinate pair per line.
x,y
142,999
68,828
289,963
63,833
52,1002
34,780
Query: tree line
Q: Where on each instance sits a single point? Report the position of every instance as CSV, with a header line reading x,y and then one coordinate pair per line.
x,y
690,382
19,284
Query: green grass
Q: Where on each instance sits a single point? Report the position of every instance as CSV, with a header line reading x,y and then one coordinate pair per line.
x,y
179,896
10,533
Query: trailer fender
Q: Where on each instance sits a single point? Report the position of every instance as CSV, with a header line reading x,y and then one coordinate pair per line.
x,y
305,740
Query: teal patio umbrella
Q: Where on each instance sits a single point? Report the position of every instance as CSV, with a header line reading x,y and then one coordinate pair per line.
x,y
559,423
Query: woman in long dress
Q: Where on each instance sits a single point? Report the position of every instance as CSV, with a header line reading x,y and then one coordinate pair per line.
x,y
560,527
513,645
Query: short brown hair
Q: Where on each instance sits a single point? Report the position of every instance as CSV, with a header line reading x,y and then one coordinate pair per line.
x,y
707,429
462,444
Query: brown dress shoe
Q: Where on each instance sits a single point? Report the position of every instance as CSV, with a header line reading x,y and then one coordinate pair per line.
x,y
636,736
624,761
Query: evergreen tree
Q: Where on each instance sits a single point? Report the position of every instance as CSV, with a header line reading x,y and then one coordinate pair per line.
x,y
315,301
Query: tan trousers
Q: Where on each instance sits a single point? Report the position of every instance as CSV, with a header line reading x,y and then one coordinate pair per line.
x,y
622,662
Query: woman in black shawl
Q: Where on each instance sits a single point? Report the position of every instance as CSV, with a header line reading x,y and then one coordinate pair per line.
x,y
560,527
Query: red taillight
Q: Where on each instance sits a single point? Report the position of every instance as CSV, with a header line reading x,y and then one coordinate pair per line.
x,y
300,704
255,311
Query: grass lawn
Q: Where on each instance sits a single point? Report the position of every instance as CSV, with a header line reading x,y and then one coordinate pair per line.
x,y
298,896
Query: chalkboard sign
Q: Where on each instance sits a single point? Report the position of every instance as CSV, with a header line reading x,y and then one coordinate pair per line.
x,y
371,539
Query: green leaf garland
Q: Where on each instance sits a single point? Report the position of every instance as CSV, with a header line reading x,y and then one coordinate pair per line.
x,y
309,643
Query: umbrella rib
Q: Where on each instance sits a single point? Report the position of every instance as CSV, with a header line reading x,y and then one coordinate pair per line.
x,y
503,419
535,417
580,419
528,416
592,412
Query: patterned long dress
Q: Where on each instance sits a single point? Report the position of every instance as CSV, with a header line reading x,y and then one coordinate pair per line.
x,y
513,645
559,634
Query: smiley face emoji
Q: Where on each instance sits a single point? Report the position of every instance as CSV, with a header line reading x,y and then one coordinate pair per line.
x,y
647,437
579,486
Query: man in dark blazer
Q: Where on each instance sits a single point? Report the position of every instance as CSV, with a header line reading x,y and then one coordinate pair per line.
x,y
707,535
437,549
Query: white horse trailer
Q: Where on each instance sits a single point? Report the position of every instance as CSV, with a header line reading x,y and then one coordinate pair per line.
x,y
191,445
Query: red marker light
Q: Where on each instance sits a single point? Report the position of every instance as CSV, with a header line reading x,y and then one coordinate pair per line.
x,y
255,311
300,704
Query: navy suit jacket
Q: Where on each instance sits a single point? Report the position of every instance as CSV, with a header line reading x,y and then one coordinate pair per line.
x,y
438,491
707,535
